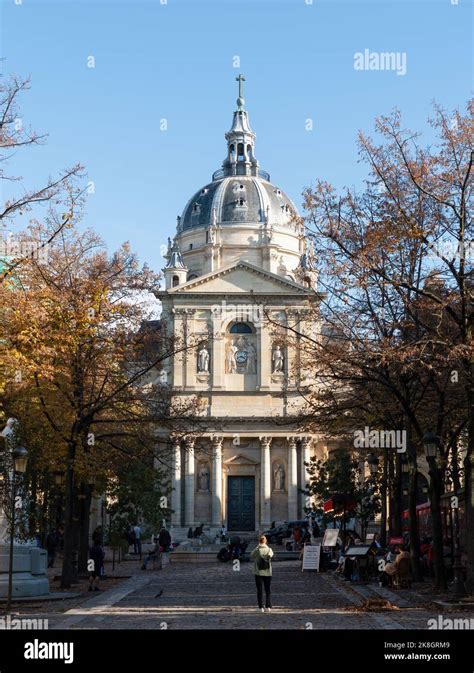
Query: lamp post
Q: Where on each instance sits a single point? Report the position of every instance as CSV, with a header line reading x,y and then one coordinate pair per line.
x,y
19,460
430,445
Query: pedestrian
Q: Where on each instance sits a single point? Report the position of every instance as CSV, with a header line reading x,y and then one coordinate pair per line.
x,y
223,533
51,545
137,543
262,568
164,539
131,537
96,554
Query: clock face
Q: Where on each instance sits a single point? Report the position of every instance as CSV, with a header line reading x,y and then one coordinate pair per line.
x,y
241,357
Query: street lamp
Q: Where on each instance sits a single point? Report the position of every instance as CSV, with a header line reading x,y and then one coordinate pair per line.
x,y
430,444
373,463
20,460
58,478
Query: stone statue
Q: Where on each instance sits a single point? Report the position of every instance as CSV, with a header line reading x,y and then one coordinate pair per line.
x,y
251,358
279,477
230,357
203,481
203,360
278,360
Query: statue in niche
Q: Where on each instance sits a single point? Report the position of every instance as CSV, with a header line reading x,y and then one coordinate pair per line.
x,y
203,360
203,478
251,358
279,477
231,363
278,360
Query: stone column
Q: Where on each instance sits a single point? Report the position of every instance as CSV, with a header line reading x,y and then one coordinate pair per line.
x,y
292,480
265,482
305,456
178,358
189,483
176,483
217,481
190,355
265,357
218,352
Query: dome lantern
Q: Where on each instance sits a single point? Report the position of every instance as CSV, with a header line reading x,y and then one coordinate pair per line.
x,y
240,158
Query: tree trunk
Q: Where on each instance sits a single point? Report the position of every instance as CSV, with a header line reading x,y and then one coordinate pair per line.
x,y
383,496
469,487
412,513
69,571
435,502
85,511
397,498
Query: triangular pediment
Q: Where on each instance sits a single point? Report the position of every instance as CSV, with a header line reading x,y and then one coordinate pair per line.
x,y
241,277
240,459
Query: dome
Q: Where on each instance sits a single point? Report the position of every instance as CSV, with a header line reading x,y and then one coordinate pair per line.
x,y
239,214
238,199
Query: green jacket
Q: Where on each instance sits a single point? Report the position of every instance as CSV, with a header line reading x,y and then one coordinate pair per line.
x,y
261,551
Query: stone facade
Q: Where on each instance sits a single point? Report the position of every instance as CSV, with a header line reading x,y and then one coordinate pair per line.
x,y
238,274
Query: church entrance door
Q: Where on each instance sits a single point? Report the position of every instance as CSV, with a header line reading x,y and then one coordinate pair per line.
x,y
241,503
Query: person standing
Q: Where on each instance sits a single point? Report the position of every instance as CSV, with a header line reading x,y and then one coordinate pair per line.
x,y
262,568
51,545
164,540
137,543
96,554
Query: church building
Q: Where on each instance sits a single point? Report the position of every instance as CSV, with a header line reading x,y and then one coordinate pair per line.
x,y
238,273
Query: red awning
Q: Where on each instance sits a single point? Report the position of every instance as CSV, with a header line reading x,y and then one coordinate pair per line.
x,y
339,503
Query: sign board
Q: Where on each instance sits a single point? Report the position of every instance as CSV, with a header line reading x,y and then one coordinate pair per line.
x,y
311,557
330,537
395,540
369,537
358,550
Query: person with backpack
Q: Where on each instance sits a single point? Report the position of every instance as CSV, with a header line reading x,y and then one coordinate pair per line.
x,y
262,568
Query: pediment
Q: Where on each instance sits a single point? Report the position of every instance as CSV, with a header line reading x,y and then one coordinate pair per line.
x,y
238,278
240,459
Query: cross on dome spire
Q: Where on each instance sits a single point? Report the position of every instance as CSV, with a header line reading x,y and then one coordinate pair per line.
x,y
240,100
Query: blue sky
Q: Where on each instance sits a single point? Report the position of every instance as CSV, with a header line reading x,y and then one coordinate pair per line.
x,y
174,60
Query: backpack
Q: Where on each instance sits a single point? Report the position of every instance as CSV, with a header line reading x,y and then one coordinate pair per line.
x,y
263,563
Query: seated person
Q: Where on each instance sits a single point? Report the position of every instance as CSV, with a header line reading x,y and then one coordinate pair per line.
x,y
153,554
224,554
391,568
198,530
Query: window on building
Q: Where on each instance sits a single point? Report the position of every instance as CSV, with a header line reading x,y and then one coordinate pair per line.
x,y
175,281
240,152
241,328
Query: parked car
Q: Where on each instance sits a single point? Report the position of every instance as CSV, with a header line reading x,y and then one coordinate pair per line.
x,y
276,535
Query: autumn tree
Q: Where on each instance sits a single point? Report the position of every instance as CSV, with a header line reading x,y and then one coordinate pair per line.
x,y
74,329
